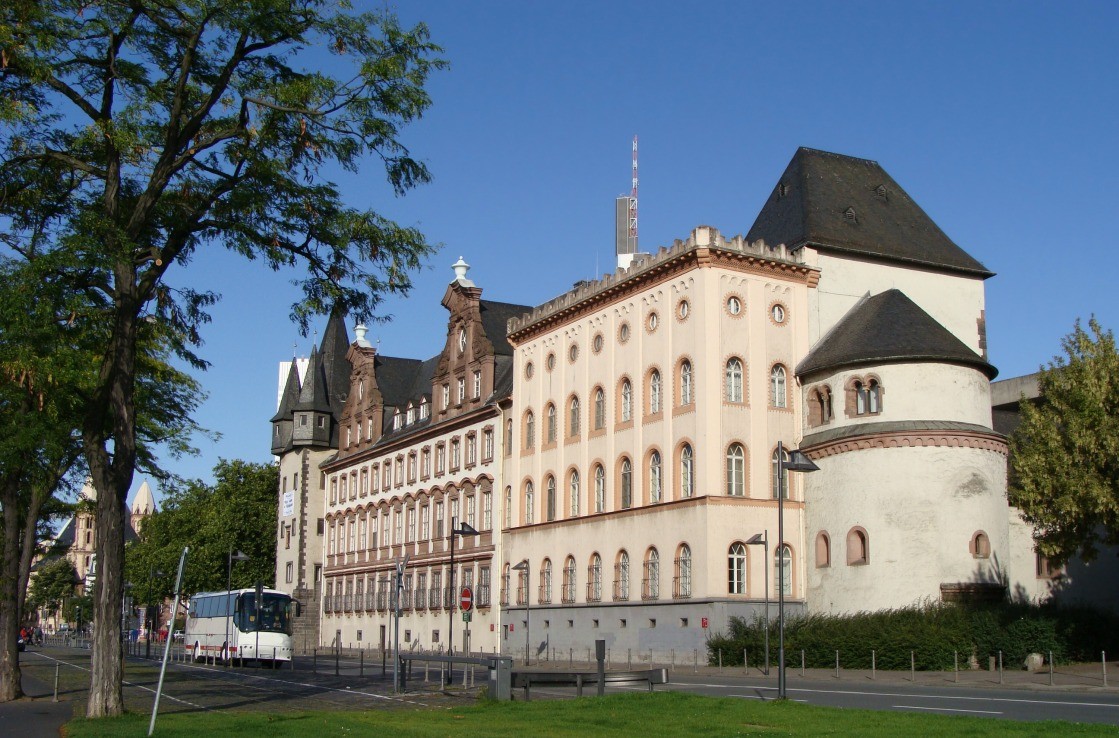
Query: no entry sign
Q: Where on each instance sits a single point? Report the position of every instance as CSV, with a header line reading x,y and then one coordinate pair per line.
x,y
466,600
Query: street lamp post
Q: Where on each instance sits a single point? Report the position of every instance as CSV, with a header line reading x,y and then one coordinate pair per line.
x,y
760,539
152,574
523,568
797,462
229,605
463,529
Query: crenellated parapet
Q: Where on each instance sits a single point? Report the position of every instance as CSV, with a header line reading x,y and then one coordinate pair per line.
x,y
705,245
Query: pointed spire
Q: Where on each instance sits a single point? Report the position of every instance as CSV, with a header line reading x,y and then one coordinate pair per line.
x,y
313,395
290,397
335,367
144,502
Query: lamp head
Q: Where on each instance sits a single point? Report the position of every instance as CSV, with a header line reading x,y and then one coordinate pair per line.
x,y
756,540
798,462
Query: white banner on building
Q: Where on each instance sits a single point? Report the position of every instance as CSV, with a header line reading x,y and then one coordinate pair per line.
x,y
289,504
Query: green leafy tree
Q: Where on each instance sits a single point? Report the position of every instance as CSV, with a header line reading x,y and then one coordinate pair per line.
x,y
1065,453
237,512
139,134
53,582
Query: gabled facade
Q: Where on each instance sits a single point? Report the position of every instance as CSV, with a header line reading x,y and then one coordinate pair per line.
x,y
417,458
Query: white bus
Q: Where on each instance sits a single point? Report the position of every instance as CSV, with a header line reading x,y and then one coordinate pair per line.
x,y
230,625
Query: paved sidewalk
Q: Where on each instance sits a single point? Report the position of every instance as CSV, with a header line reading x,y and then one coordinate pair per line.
x,y
36,715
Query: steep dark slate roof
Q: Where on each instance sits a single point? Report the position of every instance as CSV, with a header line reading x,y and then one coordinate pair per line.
x,y
396,379
811,202
290,398
335,367
314,395
495,318
502,377
889,328
896,426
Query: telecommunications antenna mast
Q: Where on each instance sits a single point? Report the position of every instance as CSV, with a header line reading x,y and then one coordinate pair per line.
x,y
633,202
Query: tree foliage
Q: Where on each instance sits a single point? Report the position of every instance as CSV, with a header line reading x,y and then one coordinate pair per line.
x,y
237,512
1065,453
53,582
137,133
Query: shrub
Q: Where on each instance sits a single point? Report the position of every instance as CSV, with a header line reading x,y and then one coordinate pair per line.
x,y
935,633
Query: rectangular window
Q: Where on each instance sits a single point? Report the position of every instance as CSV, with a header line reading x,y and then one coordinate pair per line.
x,y
471,510
477,385
487,511
438,532
376,474
455,512
373,531
412,467
289,572
487,444
411,524
333,490
386,481
471,450
399,474
363,541
331,537
461,390
454,454
351,547
398,536
446,396
425,523
425,463
440,458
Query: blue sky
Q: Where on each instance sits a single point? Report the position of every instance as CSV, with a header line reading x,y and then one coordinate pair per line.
x,y
998,118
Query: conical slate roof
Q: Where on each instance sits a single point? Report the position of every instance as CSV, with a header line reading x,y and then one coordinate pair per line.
x,y
847,205
889,328
290,398
335,367
313,395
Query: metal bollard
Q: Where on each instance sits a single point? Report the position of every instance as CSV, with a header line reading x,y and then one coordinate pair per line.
x,y
55,682
1000,667
745,662
1050,668
672,655
873,664
629,658
695,661
315,660
1103,661
426,664
720,658
337,658
361,663
956,664
912,667
802,662
837,664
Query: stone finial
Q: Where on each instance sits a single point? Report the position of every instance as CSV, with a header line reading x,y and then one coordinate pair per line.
x,y
359,335
461,268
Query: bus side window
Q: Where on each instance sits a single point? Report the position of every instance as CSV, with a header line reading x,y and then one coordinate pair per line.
x,y
194,608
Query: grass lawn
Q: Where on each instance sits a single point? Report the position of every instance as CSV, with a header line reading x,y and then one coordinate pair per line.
x,y
645,715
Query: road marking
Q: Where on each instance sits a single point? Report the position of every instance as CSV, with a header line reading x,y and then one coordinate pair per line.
x,y
947,709
124,682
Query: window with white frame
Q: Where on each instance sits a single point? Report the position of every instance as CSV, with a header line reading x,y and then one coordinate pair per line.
x,y
777,390
573,492
461,389
736,470
654,392
736,569
733,380
477,385
487,511
687,471
655,477
599,488
627,401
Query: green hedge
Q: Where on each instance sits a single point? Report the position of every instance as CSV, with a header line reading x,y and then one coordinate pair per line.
x,y
933,632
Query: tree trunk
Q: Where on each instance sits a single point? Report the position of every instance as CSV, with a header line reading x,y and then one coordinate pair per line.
x,y
10,599
111,422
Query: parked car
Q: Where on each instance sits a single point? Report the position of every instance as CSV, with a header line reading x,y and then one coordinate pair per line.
x,y
177,635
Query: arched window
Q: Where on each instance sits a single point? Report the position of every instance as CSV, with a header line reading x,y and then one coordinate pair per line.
x,y
874,397
530,429
823,550
594,579
777,395
599,409
687,472
685,383
655,477
858,547
599,488
827,409
551,428
627,484
508,437
736,470
980,545
573,490
734,380
682,582
551,502
654,392
783,570
530,512
621,577
627,401
568,594
778,478
736,569
545,595
573,417
651,583
508,507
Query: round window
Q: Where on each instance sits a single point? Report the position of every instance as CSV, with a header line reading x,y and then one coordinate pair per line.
x,y
529,368
682,309
623,333
573,352
734,305
778,313
550,362
596,344
652,321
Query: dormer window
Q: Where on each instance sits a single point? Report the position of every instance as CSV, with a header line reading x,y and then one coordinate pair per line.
x,y
322,421
397,420
850,216
411,415
425,410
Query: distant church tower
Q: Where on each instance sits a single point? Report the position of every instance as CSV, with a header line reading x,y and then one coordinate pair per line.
x,y
142,506
304,434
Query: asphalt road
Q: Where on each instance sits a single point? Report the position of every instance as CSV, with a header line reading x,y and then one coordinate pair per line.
x,y
1089,704
313,685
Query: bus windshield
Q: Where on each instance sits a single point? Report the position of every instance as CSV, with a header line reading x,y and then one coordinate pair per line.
x,y
274,615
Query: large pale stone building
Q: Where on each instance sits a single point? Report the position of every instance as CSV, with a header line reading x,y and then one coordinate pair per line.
x,y
625,438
